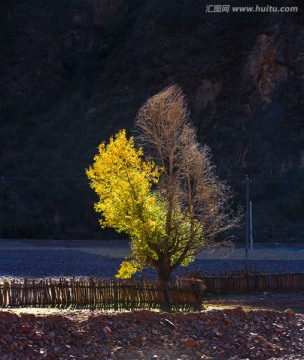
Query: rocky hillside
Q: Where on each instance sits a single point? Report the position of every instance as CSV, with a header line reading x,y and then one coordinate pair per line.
x,y
74,72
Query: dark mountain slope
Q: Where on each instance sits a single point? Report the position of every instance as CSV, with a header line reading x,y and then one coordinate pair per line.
x,y
74,72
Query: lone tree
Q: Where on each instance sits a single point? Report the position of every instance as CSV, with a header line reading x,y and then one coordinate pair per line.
x,y
172,205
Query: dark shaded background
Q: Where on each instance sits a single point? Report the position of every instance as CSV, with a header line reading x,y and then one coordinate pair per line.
x,y
74,72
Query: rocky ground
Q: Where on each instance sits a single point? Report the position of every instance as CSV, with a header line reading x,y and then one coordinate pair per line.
x,y
217,334
225,331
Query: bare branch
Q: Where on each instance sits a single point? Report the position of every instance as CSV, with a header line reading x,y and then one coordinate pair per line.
x,y
197,202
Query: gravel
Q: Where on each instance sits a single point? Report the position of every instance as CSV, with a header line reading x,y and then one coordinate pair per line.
x,y
42,259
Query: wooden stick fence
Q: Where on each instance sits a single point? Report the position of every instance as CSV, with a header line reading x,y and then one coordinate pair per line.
x,y
91,293
119,294
243,282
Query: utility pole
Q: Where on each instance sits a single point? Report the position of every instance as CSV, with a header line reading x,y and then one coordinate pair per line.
x,y
247,216
251,233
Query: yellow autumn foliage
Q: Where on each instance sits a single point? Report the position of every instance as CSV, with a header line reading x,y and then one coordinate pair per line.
x,y
123,180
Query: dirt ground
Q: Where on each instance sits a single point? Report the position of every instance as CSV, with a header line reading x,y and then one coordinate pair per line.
x,y
265,301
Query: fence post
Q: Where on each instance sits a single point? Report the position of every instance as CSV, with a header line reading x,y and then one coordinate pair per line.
x,y
6,293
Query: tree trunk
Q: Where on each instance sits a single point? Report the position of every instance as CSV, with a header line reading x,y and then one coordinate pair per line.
x,y
164,278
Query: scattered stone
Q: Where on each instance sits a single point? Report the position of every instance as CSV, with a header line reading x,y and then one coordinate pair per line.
x,y
8,339
77,334
26,329
222,354
37,337
189,342
288,312
117,348
107,330
146,335
217,334
169,324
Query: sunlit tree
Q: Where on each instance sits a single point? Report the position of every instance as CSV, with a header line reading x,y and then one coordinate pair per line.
x,y
170,202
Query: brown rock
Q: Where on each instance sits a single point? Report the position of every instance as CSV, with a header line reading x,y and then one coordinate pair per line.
x,y
102,355
218,335
190,342
265,352
30,353
37,337
8,338
77,334
23,338
51,357
13,346
107,330
222,354
26,329
289,312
